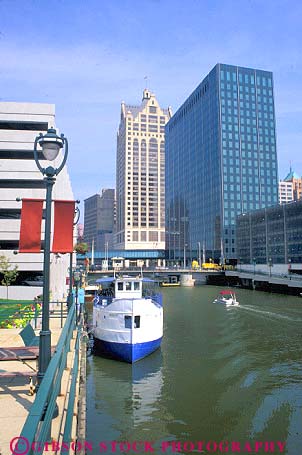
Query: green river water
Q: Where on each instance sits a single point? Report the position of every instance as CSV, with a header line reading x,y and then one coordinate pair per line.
x,y
221,375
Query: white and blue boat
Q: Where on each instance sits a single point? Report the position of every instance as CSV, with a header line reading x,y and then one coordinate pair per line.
x,y
127,319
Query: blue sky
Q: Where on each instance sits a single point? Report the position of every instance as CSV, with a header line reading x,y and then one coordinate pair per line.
x,y
86,56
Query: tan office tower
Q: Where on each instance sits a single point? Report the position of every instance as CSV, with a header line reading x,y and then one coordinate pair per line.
x,y
140,175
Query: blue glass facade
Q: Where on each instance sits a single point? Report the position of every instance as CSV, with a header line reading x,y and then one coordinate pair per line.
x,y
221,161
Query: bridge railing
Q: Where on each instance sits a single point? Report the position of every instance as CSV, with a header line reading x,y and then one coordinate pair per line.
x,y
272,274
37,427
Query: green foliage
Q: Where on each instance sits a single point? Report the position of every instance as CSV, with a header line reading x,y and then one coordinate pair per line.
x,y
17,316
9,274
81,248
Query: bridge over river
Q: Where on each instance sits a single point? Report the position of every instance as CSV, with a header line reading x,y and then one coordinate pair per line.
x,y
291,282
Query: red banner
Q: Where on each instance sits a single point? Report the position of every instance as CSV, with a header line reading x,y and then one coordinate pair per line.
x,y
63,227
30,231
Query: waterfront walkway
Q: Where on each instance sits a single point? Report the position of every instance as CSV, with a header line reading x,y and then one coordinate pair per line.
x,y
15,398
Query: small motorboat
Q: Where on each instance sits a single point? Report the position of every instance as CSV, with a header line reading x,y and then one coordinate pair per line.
x,y
169,284
226,297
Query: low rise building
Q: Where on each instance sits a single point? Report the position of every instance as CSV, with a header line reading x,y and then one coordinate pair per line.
x,y
271,236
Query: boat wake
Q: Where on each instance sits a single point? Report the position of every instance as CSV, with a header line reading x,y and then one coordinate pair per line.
x,y
270,314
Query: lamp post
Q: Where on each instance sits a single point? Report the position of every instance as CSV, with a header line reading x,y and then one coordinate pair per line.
x,y
69,297
270,264
185,260
289,267
51,145
199,255
239,263
77,278
254,264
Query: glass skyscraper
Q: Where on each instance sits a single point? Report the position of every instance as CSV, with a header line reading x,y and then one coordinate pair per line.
x,y
221,161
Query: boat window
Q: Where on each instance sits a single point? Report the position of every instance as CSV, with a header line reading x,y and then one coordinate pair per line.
x,y
128,286
128,322
136,286
137,322
120,286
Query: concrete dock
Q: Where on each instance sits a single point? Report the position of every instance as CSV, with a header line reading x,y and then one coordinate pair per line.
x,y
15,398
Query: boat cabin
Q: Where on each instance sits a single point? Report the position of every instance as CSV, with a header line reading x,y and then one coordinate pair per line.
x,y
128,288
125,287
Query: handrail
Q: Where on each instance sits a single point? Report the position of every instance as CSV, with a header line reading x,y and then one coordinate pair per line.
x,y
288,276
38,422
72,392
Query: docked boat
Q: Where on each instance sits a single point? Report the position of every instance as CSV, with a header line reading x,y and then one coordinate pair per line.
x,y
169,284
170,281
226,297
127,318
90,293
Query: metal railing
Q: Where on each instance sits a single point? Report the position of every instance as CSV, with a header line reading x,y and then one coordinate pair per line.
x,y
286,276
37,427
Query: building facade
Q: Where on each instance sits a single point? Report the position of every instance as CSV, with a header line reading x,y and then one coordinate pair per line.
x,y
286,192
290,189
99,219
271,236
221,161
20,123
140,176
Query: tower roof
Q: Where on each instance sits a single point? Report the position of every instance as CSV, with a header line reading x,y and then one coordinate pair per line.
x,y
291,175
147,96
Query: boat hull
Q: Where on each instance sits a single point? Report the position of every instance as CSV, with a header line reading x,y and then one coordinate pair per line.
x,y
226,302
125,352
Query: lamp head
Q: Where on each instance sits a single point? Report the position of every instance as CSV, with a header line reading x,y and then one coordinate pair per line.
x,y
51,144
76,276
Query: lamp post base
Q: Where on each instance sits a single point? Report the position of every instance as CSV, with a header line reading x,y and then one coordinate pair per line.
x,y
44,355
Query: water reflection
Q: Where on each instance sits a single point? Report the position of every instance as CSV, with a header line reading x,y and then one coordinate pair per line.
x,y
125,396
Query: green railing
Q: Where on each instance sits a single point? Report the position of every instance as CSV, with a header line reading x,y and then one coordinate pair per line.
x,y
37,427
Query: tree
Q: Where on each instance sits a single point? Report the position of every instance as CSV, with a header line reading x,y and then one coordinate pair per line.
x,y
9,274
81,248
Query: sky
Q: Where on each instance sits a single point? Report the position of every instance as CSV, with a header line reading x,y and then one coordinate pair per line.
x,y
87,56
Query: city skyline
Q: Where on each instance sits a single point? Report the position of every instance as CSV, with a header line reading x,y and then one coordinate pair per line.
x,y
91,56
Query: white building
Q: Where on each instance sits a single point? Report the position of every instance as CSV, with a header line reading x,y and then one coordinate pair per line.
x,y
20,123
286,192
140,178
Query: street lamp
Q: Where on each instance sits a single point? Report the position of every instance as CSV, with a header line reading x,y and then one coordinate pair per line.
x,y
289,266
185,260
199,255
239,263
270,263
51,144
69,297
76,279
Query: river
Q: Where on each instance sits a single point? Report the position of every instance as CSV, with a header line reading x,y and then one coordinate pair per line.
x,y
221,375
